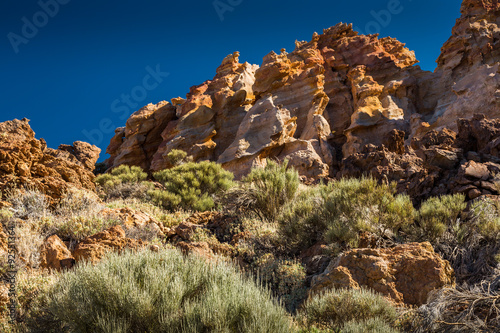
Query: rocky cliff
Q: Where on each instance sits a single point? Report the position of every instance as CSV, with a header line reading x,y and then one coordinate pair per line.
x,y
324,102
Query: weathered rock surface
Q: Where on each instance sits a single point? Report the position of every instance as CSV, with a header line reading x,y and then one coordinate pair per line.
x,y
323,103
93,248
25,160
55,255
405,274
327,96
466,79
441,162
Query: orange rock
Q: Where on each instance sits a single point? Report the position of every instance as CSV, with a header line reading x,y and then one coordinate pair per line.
x,y
201,249
405,274
25,160
324,102
93,248
55,255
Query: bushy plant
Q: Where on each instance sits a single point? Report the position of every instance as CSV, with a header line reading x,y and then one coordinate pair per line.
x,y
266,190
28,203
486,217
437,214
124,182
162,292
354,205
337,212
286,278
339,307
31,288
191,186
299,222
75,201
176,157
121,174
77,227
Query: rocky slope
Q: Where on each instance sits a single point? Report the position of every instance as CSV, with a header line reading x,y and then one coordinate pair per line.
x,y
323,102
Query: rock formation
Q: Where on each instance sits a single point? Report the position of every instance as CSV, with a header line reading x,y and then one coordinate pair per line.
x,y
55,254
324,102
27,161
441,162
405,274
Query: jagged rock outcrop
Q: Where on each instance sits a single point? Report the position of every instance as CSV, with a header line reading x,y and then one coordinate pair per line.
x,y
328,95
25,160
441,162
466,80
325,101
405,274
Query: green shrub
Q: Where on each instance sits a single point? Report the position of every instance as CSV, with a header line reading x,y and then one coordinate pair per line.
x,y
121,174
266,190
286,278
162,292
354,205
299,223
191,186
485,214
124,182
337,307
337,212
437,214
176,156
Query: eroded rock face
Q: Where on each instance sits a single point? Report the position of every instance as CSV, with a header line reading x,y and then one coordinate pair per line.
x,y
441,162
466,80
25,160
405,274
327,96
325,101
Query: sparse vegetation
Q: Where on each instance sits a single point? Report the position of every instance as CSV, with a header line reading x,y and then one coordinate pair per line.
x,y
264,223
339,211
286,278
437,214
176,157
457,310
124,182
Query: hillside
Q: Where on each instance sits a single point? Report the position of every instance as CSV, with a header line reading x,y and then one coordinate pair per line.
x,y
337,188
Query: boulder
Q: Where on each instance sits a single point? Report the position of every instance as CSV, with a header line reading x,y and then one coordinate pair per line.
x,y
93,248
405,274
55,255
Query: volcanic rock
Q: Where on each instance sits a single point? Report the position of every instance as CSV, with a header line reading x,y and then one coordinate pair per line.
x,y
25,160
93,248
321,105
405,274
55,255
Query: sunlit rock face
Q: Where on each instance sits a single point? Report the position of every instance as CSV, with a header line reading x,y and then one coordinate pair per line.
x,y
27,162
323,102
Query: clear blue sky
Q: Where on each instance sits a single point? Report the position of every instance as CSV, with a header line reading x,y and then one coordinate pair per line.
x,y
69,74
